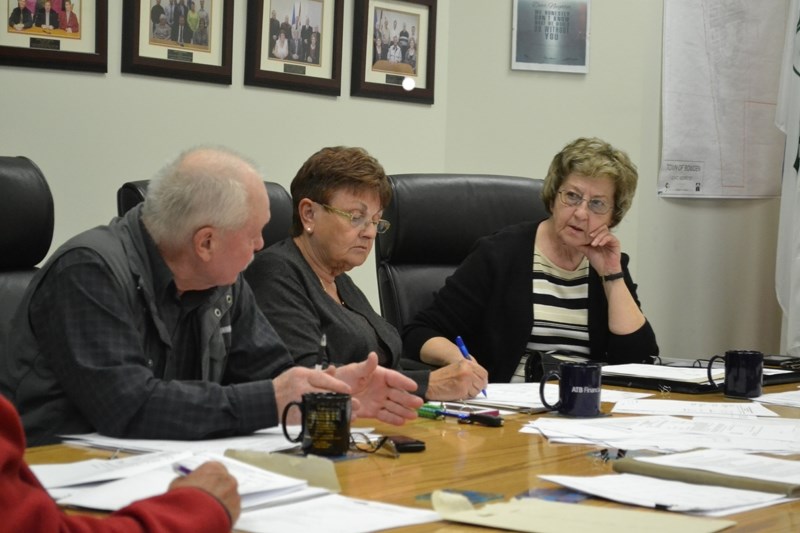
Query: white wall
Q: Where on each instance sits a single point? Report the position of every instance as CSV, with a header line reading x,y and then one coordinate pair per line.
x,y
704,268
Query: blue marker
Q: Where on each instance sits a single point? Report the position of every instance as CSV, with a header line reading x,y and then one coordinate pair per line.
x,y
465,353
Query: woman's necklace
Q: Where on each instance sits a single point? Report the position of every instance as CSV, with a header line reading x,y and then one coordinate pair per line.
x,y
330,290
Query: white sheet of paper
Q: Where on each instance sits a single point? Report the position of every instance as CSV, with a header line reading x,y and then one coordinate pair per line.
x,y
733,464
790,398
664,494
333,514
688,408
97,470
539,516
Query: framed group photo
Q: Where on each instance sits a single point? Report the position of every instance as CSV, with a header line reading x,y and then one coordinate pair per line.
x,y
294,45
57,34
394,50
184,39
550,35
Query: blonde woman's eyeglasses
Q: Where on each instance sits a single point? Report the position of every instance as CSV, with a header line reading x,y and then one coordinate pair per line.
x,y
573,199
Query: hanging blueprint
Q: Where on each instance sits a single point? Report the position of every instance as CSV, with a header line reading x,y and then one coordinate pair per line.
x,y
719,92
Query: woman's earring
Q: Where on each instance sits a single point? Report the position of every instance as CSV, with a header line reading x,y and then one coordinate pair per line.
x,y
308,229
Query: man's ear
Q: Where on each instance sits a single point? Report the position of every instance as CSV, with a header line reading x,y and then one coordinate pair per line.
x,y
205,241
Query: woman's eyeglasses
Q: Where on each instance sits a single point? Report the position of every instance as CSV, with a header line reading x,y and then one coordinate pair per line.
x,y
359,220
573,199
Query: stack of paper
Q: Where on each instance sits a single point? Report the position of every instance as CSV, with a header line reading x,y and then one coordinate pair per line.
x,y
666,373
270,501
720,467
711,482
673,434
112,485
265,440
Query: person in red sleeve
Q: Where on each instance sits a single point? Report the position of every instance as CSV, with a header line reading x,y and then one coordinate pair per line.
x,y
205,501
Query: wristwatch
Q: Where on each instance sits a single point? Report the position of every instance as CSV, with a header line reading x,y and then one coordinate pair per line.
x,y
612,277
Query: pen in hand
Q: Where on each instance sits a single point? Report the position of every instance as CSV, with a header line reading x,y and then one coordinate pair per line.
x,y
181,470
465,353
322,354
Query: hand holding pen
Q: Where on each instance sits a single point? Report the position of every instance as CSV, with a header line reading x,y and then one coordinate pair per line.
x,y
463,348
213,478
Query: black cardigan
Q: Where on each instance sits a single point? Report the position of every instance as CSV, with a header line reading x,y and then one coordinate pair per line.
x,y
489,302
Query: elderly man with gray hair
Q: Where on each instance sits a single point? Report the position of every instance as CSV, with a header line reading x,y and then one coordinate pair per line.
x,y
145,328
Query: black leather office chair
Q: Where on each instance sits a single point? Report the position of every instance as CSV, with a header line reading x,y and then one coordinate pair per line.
x,y
280,206
26,232
436,218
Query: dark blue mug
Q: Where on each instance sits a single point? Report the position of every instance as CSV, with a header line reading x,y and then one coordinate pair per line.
x,y
578,389
744,373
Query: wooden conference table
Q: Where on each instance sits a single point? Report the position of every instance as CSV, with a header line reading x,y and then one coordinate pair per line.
x,y
470,457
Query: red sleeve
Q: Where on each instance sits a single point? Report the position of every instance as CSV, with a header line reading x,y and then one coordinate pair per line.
x,y
26,506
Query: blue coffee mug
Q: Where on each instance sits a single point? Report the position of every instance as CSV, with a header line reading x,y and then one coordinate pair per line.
x,y
744,373
578,389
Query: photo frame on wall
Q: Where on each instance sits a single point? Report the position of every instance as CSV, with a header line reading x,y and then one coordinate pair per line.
x,y
71,35
394,50
550,36
183,41
294,45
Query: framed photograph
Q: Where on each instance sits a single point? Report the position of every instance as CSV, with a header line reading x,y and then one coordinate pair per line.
x,y
295,45
184,39
550,35
58,34
394,49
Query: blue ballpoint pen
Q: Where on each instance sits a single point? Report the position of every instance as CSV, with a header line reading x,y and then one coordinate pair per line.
x,y
465,353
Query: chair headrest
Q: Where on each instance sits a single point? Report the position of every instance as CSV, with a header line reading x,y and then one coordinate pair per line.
x,y
26,214
280,205
436,218
130,194
280,209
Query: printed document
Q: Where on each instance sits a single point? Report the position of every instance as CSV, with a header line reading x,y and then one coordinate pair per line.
x,y
667,495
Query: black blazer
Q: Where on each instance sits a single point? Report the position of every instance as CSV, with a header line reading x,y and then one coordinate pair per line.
x,y
488,302
42,19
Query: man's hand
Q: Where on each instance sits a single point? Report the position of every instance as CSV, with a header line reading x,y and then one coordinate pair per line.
x,y
456,381
214,478
292,384
381,393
